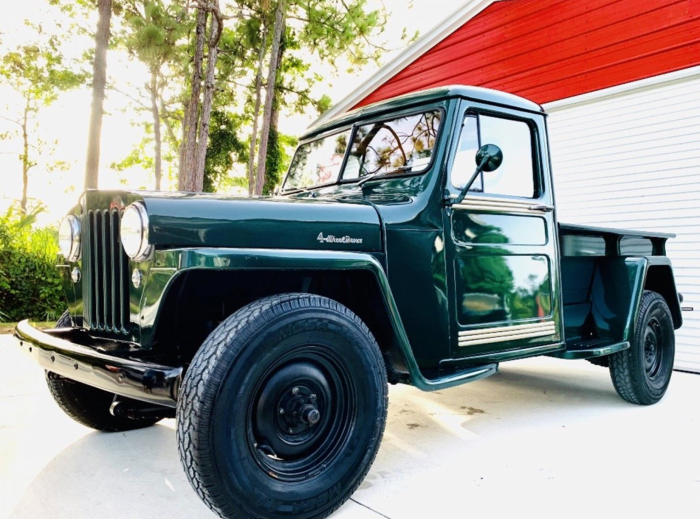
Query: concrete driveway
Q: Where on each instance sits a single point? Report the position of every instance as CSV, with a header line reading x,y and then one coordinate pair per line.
x,y
544,438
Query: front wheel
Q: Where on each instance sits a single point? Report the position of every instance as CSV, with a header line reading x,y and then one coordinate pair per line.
x,y
89,406
642,372
282,410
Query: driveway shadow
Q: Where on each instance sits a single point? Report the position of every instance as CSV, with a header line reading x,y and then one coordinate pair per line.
x,y
138,473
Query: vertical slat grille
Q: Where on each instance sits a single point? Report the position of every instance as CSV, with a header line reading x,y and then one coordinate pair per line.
x,y
106,265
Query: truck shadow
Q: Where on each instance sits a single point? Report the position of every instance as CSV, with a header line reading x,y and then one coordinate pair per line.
x,y
126,474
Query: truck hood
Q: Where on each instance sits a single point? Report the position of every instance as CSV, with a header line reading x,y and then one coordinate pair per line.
x,y
198,220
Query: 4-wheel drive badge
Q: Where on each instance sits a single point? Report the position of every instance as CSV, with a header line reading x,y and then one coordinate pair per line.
x,y
335,239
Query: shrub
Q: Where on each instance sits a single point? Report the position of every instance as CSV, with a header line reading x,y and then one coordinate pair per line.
x,y
30,285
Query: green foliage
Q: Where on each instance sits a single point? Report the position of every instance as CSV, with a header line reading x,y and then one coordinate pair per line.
x,y
37,71
30,285
154,31
223,148
278,159
138,157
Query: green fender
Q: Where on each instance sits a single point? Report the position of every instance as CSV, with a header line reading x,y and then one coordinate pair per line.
x,y
167,265
616,295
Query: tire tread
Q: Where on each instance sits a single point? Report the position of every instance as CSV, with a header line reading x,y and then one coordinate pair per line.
x,y
196,394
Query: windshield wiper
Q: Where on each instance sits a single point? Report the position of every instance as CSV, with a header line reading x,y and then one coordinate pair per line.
x,y
378,173
297,190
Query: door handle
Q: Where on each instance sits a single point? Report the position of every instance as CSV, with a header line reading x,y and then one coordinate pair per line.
x,y
543,208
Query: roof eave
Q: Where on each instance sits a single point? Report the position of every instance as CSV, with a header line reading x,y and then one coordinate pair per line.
x,y
414,51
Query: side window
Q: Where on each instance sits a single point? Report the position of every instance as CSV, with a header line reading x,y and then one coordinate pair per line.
x,y
516,175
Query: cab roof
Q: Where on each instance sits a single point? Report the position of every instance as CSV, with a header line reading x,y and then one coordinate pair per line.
x,y
485,95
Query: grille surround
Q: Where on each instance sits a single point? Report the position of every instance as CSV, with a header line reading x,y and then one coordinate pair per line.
x,y
106,273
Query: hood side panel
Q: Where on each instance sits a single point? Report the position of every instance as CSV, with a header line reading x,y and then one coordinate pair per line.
x,y
263,223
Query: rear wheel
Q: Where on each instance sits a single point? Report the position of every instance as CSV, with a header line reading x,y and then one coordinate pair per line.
x,y
641,374
90,406
282,410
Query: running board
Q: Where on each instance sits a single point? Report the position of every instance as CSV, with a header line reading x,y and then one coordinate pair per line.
x,y
455,379
579,351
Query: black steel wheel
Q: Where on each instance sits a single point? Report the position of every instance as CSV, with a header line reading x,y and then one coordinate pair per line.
x,y
642,373
282,410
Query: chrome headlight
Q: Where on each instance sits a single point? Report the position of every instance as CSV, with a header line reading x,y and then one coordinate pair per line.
x,y
69,238
134,232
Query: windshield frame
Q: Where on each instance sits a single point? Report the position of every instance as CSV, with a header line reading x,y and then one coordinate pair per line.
x,y
439,107
331,133
395,173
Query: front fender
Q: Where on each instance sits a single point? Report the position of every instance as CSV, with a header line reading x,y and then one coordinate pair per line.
x,y
170,264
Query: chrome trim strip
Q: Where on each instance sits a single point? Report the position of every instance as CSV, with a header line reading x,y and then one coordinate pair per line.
x,y
550,329
501,205
506,333
506,328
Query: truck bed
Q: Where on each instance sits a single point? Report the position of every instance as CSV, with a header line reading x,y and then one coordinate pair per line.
x,y
571,228
600,269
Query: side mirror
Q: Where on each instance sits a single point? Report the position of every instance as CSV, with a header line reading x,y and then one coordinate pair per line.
x,y
488,158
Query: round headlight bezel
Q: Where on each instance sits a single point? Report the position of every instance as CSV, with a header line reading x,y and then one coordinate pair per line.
x,y
71,250
135,240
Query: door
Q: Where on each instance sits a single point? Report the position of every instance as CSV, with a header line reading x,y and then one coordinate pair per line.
x,y
502,245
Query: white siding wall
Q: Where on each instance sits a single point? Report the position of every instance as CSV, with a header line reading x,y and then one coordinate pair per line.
x,y
631,159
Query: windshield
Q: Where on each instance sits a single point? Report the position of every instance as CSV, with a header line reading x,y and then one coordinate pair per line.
x,y
317,162
397,146
402,145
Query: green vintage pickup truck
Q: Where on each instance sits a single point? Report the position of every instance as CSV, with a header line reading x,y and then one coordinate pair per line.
x,y
412,241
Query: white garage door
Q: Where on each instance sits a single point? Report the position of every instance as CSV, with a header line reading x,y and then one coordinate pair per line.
x,y
629,157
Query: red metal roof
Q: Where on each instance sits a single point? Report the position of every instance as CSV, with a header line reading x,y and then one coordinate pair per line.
x,y
546,50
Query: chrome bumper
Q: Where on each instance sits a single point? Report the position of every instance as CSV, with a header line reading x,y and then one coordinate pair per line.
x,y
65,351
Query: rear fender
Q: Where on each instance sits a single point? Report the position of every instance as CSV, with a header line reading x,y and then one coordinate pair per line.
x,y
659,278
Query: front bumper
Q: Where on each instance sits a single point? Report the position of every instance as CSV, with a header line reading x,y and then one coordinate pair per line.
x,y
71,353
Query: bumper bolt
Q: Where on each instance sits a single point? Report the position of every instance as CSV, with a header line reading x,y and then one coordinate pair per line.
x,y
75,365
53,358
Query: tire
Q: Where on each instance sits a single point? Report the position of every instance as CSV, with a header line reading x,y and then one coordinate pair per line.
x,y
642,372
244,450
89,406
603,362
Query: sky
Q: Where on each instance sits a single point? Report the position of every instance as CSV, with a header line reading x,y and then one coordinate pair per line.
x,y
64,124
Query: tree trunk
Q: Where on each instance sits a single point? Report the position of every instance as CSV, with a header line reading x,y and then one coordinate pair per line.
x,y
99,80
270,93
25,160
156,127
256,115
207,99
186,180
